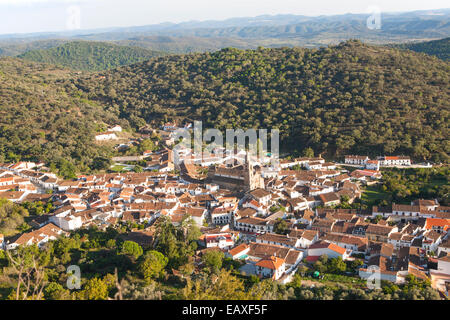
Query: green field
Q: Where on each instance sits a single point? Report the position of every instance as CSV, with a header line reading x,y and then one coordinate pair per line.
x,y
118,168
372,195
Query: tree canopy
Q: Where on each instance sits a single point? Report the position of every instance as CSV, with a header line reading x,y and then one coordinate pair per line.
x,y
349,98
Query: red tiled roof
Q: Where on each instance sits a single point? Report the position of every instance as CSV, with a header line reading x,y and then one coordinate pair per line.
x,y
435,222
327,245
238,249
312,259
273,263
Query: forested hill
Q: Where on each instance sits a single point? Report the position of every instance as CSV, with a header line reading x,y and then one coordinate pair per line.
x,y
44,118
438,48
350,98
88,55
14,48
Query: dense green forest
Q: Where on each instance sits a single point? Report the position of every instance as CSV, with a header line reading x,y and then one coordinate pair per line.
x,y
92,56
16,47
406,185
42,119
411,184
349,98
187,44
438,48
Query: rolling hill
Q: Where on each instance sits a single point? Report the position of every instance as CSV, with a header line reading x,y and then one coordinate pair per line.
x,y
15,47
348,98
92,56
438,48
43,117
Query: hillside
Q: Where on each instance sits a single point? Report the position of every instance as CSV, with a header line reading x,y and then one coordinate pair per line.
x,y
438,48
42,118
350,98
92,56
185,44
15,47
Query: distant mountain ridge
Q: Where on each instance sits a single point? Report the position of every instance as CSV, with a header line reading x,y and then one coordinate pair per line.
x,y
251,32
321,30
258,21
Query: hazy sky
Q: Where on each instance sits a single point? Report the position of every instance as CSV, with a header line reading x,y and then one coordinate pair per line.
x,y
21,16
